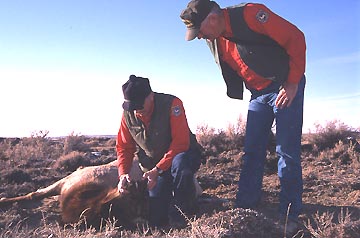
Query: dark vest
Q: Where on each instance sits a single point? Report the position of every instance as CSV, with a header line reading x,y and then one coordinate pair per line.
x,y
262,54
153,142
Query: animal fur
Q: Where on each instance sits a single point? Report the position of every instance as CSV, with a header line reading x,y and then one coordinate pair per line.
x,y
84,192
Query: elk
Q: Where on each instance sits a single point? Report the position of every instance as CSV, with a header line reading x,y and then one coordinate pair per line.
x,y
84,192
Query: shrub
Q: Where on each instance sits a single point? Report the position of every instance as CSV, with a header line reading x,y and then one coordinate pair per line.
x,y
111,142
37,147
327,136
214,142
236,132
341,154
70,162
324,226
217,141
75,142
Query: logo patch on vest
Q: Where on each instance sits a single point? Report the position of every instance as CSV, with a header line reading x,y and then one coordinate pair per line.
x,y
176,111
262,16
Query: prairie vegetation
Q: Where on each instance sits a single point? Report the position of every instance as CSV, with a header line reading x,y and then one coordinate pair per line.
x,y
331,171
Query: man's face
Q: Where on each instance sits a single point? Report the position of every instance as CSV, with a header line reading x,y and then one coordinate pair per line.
x,y
147,106
209,29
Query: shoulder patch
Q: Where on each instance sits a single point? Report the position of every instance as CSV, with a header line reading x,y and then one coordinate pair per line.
x,y
176,111
262,16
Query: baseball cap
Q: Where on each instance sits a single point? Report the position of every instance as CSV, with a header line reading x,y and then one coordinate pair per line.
x,y
195,12
135,90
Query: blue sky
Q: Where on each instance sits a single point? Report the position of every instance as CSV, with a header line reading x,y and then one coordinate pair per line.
x,y
62,63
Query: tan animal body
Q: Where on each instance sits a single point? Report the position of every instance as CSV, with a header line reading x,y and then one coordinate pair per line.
x,y
84,192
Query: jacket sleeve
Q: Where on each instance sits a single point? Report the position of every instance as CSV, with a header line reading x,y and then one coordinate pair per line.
x,y
125,148
260,19
180,134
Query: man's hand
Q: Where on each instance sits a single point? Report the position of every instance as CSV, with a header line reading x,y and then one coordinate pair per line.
x,y
152,177
122,185
286,95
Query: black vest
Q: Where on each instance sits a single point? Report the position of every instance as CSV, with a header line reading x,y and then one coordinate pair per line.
x,y
153,142
262,54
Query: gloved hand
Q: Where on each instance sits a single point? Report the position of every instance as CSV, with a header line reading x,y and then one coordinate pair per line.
x,y
152,177
123,183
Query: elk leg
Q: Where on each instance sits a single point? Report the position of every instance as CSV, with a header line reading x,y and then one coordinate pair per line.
x,y
51,190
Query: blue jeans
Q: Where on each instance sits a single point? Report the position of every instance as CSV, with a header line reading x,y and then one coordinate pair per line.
x,y
175,187
261,114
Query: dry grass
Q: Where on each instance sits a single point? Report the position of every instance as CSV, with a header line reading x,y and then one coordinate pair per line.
x,y
323,225
331,197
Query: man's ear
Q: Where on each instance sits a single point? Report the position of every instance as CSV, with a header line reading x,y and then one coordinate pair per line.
x,y
212,16
212,19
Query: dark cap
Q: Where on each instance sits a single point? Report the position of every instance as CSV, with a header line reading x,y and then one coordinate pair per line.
x,y
135,90
195,12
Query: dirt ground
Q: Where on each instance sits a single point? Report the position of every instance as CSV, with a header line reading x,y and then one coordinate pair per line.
x,y
331,186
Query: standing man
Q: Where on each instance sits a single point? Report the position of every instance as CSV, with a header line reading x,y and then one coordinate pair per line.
x,y
257,48
155,131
